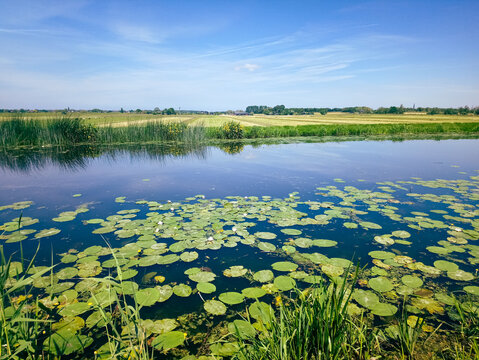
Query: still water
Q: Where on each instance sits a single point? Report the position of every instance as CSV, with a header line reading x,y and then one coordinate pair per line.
x,y
210,208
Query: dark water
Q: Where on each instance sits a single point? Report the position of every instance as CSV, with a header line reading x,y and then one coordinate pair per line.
x,y
50,179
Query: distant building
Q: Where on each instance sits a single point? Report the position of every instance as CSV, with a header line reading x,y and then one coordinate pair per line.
x,y
241,113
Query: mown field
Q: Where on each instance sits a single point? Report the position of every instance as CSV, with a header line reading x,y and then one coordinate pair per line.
x,y
125,119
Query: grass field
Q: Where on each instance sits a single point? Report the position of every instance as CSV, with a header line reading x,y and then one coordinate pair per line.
x,y
118,119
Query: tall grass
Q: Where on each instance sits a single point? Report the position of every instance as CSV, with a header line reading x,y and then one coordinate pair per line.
x,y
313,325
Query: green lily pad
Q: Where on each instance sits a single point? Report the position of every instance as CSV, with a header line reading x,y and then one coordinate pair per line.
x,y
235,271
169,340
266,247
253,292
242,328
75,309
265,235
202,276
291,231
284,266
189,256
401,234
446,265
182,290
263,276
66,343
474,290
383,309
147,297
332,270
381,284
261,312
381,255
206,287
284,283
215,307
231,298
324,243
46,233
460,275
166,291
365,298
412,281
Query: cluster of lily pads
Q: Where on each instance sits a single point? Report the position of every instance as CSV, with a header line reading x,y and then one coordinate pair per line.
x,y
154,235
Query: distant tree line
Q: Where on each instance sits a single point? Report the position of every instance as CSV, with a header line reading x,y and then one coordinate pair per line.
x,y
279,110
282,110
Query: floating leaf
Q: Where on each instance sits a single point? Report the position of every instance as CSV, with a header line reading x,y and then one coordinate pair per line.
x,y
265,235
365,298
241,328
189,256
253,292
324,243
284,283
46,233
460,275
474,290
446,265
383,309
291,231
206,287
284,266
231,298
412,281
169,340
147,297
182,290
263,276
266,247
380,284
215,307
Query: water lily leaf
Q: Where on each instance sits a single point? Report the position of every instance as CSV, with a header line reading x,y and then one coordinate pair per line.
x,y
261,312
168,259
266,247
324,243
263,276
182,290
383,309
215,307
380,284
98,318
284,266
66,343
381,255
235,271
169,340
474,290
202,276
460,275
206,287
68,324
284,283
224,349
189,256
161,326
384,240
231,298
365,298
165,292
265,235
147,297
350,225
67,273
46,233
63,218
241,328
446,265
370,225
253,292
444,298
291,231
75,309
429,304
332,270
401,234
412,281
127,287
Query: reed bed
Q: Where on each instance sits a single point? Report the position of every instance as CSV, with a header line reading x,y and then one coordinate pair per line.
x,y
64,131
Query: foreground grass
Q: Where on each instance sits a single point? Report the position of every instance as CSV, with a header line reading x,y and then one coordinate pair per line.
x,y
61,131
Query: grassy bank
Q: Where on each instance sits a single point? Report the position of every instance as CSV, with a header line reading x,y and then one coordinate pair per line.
x,y
61,131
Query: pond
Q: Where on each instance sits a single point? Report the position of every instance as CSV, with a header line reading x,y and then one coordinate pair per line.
x,y
198,234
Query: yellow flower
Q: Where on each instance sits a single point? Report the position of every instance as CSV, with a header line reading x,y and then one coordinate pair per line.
x,y
159,279
185,335
278,300
90,303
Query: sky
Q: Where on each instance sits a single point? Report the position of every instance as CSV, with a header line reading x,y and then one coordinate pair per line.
x,y
221,55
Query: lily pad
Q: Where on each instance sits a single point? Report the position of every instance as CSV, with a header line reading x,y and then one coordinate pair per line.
x,y
412,281
46,233
460,275
446,265
291,231
381,284
231,298
284,266
147,297
215,307
365,298
266,247
189,256
265,235
474,290
253,292
182,290
383,309
324,243
206,287
284,283
169,340
263,276
242,328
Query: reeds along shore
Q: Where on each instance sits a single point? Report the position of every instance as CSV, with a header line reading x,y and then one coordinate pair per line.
x,y
18,131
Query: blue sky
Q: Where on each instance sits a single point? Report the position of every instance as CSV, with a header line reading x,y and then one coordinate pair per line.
x,y
219,55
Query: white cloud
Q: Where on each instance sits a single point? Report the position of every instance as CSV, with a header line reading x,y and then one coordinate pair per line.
x,y
249,67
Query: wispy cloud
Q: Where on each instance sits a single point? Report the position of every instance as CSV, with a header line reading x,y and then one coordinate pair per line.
x,y
247,66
